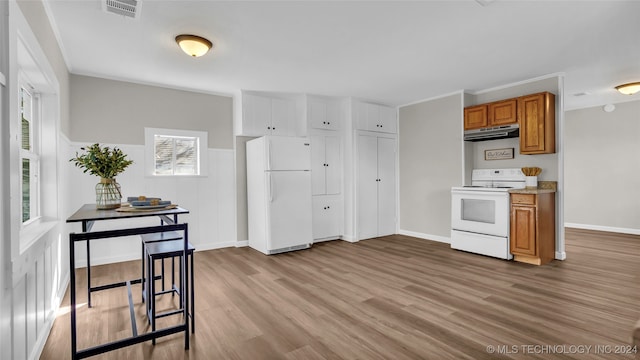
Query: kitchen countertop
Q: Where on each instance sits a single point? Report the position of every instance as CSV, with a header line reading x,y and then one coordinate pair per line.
x,y
544,187
531,191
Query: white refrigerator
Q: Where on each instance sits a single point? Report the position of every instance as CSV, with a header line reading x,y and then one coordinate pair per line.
x,y
279,194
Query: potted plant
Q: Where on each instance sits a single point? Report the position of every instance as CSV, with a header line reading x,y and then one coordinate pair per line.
x,y
105,163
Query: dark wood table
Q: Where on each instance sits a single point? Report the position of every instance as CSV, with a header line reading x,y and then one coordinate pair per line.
x,y
88,215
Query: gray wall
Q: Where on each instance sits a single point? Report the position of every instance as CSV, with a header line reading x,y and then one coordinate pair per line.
x,y
241,188
110,111
430,153
602,167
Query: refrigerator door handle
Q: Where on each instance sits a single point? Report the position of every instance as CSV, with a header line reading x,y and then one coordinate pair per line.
x,y
270,188
268,155
273,189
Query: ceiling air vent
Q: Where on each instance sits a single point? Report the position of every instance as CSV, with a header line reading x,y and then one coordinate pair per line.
x,y
129,8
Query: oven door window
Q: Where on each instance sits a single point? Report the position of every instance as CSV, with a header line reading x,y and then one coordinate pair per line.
x,y
483,211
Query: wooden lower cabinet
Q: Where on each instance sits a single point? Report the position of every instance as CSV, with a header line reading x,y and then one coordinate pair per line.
x,y
533,230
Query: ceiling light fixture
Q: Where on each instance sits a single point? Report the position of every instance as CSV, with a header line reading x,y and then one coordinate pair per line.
x,y
629,89
193,45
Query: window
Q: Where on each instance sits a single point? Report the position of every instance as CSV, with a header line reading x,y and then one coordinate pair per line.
x,y
175,152
29,156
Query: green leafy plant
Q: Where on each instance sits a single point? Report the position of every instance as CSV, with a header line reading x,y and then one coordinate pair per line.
x,y
101,161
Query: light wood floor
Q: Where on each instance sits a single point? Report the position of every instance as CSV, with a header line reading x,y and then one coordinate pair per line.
x,y
394,297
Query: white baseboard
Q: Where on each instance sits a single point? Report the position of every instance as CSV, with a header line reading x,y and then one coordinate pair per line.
x,y
438,238
330,238
349,239
108,260
215,246
242,243
136,256
603,228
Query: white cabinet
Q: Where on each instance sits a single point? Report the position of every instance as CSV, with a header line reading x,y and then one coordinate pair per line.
x,y
323,114
326,217
376,186
374,117
325,165
264,115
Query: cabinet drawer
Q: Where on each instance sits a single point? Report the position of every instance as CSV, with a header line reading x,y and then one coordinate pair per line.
x,y
527,199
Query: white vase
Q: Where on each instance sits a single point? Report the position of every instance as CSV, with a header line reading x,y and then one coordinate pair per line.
x,y
531,182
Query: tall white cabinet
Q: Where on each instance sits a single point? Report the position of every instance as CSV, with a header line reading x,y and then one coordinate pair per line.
x,y
324,120
375,185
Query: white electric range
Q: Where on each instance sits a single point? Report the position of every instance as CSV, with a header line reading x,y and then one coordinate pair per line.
x,y
480,212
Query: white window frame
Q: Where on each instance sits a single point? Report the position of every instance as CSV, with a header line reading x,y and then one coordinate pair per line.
x,y
202,143
29,64
33,154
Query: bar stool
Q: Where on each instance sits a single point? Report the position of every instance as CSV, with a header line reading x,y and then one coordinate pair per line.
x,y
151,238
163,250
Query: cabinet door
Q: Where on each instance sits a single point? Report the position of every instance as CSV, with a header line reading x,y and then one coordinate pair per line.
x,y
373,117
536,114
475,117
317,111
523,230
361,116
326,217
256,115
387,119
503,112
386,186
367,187
318,165
323,114
333,170
283,113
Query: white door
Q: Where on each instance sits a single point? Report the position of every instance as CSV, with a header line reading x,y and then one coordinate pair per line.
x,y
318,165
333,169
282,117
289,215
367,189
386,186
387,119
288,153
373,114
333,115
256,115
326,219
318,114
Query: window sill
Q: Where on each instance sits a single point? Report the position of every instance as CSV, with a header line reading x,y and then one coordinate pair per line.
x,y
31,233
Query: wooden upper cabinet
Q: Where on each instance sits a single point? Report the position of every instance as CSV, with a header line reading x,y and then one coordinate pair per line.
x,y
536,115
475,117
503,112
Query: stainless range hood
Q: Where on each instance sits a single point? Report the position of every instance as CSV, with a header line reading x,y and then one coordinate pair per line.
x,y
492,133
